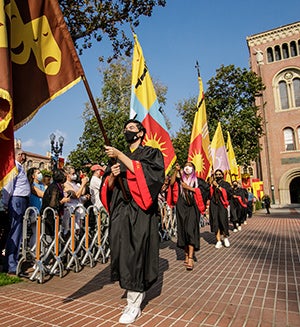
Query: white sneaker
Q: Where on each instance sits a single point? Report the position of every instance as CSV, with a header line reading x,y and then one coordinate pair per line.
x,y
129,315
239,228
235,230
218,245
226,242
245,222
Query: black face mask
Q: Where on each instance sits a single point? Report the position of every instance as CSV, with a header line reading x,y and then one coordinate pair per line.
x,y
130,136
218,178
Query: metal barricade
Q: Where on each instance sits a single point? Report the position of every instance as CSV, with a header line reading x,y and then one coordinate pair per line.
x,y
45,246
89,232
100,240
85,243
27,253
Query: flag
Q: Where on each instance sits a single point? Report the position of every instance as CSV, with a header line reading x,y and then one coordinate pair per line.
x,y
145,108
38,63
218,151
199,150
234,168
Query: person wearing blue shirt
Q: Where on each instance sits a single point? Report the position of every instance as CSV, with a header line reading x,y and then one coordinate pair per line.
x,y
15,197
35,178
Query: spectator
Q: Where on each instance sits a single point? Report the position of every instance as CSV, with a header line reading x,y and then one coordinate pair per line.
x,y
55,199
267,202
15,198
95,184
35,178
76,192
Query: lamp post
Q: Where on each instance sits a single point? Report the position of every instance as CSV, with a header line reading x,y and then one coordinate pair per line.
x,y
56,149
273,197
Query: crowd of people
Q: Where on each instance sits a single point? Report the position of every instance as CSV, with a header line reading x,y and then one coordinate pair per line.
x,y
64,190
136,193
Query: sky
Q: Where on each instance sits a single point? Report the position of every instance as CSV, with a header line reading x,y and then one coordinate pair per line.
x,y
175,37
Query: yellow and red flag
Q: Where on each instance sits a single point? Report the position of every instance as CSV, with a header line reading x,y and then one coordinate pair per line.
x,y
144,107
199,150
218,151
38,63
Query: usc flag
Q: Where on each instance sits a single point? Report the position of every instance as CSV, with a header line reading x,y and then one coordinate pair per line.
x,y
38,63
144,107
199,150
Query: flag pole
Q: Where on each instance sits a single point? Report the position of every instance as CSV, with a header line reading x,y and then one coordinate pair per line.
x,y
106,140
89,92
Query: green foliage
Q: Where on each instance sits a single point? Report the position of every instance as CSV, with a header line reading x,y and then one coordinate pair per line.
x,y
258,205
46,172
89,20
230,99
113,107
7,280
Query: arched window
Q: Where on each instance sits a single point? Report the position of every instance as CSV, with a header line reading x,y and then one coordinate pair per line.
x,y
285,51
270,55
296,89
284,101
289,139
298,132
293,49
287,89
277,53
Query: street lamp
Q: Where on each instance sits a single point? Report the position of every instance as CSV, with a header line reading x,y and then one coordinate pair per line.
x,y
273,197
56,149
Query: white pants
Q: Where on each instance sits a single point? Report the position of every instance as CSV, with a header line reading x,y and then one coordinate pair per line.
x,y
135,299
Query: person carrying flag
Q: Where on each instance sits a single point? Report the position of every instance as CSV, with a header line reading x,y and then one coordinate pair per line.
x,y
129,192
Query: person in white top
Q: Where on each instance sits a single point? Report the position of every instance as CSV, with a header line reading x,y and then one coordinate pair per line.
x,y
95,183
76,192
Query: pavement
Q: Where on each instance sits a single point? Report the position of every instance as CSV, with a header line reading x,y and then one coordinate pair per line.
x,y
254,282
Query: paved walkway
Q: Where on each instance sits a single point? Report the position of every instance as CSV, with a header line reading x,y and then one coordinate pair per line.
x,y
255,282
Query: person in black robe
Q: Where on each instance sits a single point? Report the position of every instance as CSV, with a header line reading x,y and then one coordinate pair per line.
x,y
129,192
220,195
239,202
192,197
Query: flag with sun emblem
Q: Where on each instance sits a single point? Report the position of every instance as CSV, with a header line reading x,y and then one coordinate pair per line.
x,y
144,107
218,151
199,150
234,168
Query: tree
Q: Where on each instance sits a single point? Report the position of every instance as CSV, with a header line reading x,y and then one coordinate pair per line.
x,y
93,19
230,99
113,107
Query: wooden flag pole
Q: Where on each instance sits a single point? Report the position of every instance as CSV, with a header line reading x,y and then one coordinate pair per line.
x,y
106,140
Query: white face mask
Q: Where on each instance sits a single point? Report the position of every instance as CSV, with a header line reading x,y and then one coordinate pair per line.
x,y
39,177
74,177
188,170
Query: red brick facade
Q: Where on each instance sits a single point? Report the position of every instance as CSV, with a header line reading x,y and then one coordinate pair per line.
x,y
275,56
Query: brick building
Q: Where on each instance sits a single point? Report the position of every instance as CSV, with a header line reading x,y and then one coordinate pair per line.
x,y
34,159
275,56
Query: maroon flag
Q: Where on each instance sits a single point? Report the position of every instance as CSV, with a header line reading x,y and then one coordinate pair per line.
x,y
38,63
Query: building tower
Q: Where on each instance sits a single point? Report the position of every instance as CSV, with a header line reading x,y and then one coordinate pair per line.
x,y
275,57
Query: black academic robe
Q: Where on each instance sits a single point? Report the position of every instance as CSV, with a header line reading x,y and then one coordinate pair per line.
x,y
188,209
218,207
134,238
